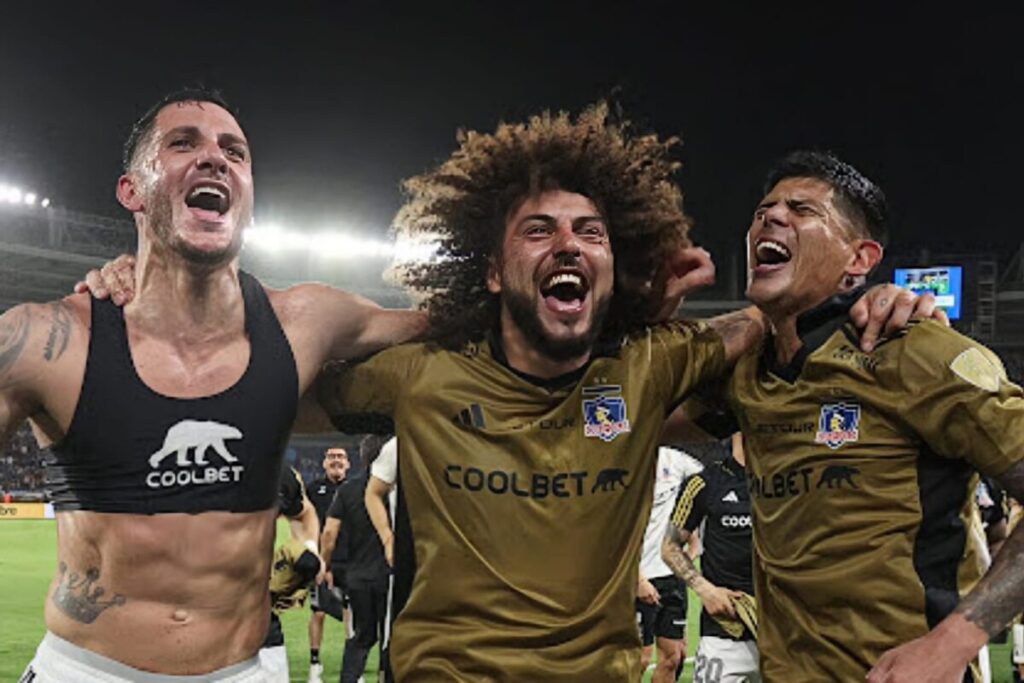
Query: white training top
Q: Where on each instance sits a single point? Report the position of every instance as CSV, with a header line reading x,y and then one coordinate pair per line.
x,y
674,467
385,467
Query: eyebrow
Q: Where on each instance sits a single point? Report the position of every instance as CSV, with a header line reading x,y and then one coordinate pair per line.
x,y
224,139
547,218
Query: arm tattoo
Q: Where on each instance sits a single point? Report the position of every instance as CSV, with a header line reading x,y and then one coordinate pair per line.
x,y
13,335
676,558
60,332
999,596
741,332
76,597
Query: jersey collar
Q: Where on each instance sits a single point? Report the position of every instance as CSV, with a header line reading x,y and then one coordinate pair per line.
x,y
552,384
814,328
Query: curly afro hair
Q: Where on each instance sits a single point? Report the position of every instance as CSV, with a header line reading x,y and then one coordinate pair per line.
x,y
465,202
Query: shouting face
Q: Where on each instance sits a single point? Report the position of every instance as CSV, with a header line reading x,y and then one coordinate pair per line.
x,y
555,274
192,181
801,249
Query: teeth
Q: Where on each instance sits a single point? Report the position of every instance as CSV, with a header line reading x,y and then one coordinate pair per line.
x,y
566,278
209,190
772,246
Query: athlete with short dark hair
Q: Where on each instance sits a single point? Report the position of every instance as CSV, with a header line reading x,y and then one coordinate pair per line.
x,y
366,570
321,491
169,417
860,463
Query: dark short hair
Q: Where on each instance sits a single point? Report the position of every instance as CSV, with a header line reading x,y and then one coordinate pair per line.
x,y
144,126
861,201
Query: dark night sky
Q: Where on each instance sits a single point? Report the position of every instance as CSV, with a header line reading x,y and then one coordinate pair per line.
x,y
342,102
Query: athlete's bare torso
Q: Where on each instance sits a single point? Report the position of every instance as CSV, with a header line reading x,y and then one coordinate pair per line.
x,y
174,593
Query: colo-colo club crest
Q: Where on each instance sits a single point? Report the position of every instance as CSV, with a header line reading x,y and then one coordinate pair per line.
x,y
604,413
838,424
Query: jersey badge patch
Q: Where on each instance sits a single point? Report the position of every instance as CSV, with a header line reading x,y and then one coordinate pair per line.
x,y
604,415
838,424
974,368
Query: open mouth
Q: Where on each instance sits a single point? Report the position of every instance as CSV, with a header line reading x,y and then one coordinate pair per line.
x,y
771,253
209,197
565,291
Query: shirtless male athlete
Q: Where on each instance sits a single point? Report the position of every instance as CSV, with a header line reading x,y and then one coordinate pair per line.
x,y
168,417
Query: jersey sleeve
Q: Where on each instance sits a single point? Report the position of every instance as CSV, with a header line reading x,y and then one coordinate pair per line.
x,y
385,467
691,505
361,397
689,355
292,493
954,393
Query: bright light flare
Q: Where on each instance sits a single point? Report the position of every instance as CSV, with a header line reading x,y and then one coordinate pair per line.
x,y
12,194
336,244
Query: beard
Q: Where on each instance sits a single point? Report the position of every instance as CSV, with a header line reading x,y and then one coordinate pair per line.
x,y
161,217
522,308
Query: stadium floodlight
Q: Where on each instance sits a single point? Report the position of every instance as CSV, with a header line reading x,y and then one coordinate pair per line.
x,y
339,244
12,194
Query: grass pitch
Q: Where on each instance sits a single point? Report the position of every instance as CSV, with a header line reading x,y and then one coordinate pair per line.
x,y
28,562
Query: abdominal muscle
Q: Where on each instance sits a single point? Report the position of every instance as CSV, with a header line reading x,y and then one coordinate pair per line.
x,y
169,593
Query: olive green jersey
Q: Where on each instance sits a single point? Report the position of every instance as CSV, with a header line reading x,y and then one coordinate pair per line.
x,y
859,466
526,501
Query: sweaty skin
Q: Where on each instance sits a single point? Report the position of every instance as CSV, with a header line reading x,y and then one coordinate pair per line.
x,y
174,593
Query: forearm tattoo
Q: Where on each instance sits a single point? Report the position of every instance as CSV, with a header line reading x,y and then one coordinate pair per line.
x,y
78,597
999,597
674,554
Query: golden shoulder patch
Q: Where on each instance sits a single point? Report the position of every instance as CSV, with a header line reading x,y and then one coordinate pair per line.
x,y
973,367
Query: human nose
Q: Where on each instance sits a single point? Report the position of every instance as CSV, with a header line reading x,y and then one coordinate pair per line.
x,y
776,214
567,241
211,158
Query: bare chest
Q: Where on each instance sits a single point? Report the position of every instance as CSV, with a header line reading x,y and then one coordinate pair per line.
x,y
181,370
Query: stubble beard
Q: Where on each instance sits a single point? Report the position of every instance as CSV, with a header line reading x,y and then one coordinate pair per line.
x,y
161,218
522,309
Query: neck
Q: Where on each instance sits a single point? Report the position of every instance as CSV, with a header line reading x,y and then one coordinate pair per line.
x,y
785,337
523,355
183,299
783,320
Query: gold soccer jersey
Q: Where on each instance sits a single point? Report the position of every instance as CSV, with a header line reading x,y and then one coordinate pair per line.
x,y
859,465
527,502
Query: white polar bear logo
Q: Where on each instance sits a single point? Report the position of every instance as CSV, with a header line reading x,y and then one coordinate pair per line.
x,y
199,435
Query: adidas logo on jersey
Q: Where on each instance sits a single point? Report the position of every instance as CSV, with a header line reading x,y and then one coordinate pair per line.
x,y
473,416
730,497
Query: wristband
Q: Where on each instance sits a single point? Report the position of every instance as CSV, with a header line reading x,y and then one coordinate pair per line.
x,y
313,548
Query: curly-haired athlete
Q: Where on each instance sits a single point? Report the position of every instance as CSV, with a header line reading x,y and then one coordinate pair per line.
x,y
529,432
469,198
